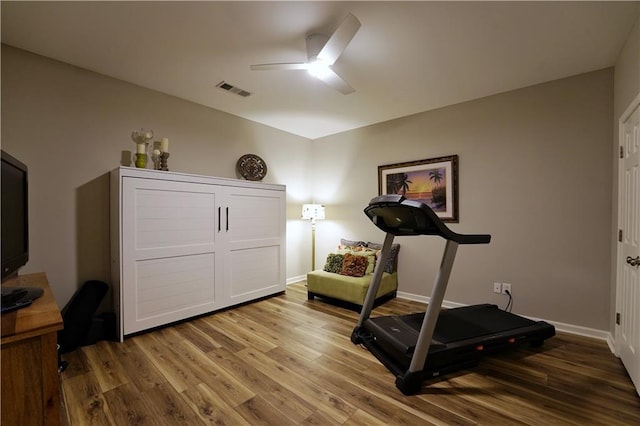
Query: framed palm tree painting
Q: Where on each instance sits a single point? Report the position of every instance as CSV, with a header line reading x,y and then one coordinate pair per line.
x,y
433,181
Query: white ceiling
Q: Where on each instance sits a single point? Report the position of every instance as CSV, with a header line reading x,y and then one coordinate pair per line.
x,y
407,57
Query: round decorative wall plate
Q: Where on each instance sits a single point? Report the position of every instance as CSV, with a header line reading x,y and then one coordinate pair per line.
x,y
251,167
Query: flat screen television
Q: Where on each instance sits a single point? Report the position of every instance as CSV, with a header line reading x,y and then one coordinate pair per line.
x,y
15,219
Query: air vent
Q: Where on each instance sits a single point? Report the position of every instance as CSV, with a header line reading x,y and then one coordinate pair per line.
x,y
233,89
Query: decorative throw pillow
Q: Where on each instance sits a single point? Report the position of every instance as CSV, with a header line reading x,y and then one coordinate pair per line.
x,y
371,263
393,256
334,263
351,243
354,265
370,254
349,249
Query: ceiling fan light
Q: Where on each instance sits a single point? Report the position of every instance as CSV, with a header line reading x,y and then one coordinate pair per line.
x,y
319,69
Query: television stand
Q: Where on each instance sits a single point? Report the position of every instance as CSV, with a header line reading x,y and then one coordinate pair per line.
x,y
30,381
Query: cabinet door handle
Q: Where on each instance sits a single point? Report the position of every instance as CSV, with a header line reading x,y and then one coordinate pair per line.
x,y
219,218
227,218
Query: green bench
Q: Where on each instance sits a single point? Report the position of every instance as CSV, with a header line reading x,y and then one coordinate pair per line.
x,y
353,289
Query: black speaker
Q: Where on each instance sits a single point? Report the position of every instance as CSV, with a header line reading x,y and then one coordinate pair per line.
x,y
77,316
103,327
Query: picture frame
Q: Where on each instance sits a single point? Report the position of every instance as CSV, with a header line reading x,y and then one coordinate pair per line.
x,y
433,181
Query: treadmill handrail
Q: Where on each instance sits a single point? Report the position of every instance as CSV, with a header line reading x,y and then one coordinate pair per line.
x,y
397,215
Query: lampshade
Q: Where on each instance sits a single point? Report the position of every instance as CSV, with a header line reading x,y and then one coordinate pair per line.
x,y
313,211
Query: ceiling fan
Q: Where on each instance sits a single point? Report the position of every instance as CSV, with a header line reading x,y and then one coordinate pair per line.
x,y
322,52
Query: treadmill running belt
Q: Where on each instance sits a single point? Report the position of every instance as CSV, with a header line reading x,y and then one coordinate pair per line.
x,y
453,325
475,321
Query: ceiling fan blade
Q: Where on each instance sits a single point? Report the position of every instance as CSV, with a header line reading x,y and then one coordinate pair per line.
x,y
330,78
285,66
339,39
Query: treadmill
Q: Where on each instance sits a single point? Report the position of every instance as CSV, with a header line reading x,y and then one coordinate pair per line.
x,y
420,346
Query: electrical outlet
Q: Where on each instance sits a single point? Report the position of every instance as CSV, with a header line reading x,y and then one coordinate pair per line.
x,y
497,288
506,287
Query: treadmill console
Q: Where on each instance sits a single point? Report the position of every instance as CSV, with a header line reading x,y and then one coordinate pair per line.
x,y
399,216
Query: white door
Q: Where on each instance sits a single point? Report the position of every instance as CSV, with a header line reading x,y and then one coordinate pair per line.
x,y
628,285
255,226
172,266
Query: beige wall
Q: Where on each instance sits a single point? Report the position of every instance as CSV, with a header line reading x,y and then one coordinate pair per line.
x,y
626,88
535,172
70,126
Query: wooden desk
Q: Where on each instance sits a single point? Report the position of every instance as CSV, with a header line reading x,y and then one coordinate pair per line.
x,y
30,382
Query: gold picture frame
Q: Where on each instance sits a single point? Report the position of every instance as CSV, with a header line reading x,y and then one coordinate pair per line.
x,y
433,181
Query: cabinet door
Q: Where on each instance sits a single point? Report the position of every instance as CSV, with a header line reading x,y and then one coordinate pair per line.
x,y
171,251
255,235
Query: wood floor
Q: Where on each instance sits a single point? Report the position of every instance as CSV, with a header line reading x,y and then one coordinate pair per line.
x,y
289,361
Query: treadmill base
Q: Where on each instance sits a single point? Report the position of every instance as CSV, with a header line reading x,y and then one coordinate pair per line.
x,y
392,340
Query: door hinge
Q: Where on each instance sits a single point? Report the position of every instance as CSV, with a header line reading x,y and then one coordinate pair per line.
x,y
621,152
620,235
617,318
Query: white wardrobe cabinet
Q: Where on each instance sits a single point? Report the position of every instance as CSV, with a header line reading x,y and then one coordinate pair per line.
x,y
185,245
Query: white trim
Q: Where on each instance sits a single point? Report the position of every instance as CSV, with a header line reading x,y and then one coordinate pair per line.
x,y
582,331
297,279
627,113
559,326
125,171
425,299
612,345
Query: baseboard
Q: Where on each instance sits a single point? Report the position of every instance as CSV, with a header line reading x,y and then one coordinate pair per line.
x,y
424,299
297,279
560,326
583,331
